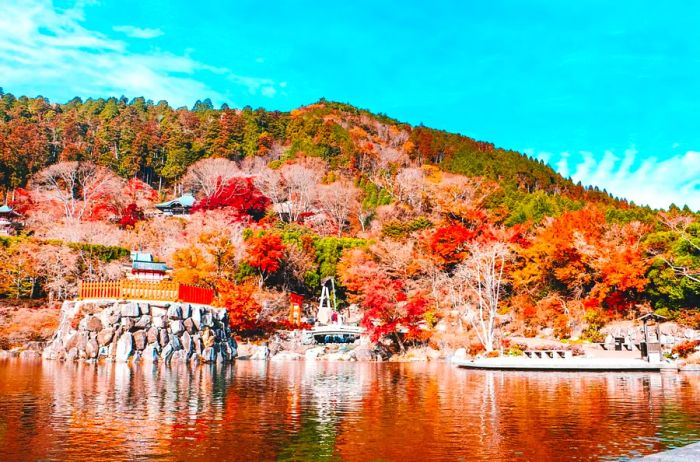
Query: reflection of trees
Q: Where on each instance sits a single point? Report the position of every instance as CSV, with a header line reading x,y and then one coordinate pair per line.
x,y
337,411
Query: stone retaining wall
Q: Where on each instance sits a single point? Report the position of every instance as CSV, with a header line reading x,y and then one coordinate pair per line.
x,y
141,331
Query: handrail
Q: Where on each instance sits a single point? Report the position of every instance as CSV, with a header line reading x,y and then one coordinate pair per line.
x,y
145,290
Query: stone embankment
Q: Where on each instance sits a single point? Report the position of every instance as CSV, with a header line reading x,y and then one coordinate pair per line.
x,y
126,331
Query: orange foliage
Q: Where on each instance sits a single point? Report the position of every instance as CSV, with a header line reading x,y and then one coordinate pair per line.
x,y
239,300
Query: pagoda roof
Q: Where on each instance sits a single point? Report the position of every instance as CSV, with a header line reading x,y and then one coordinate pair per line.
x,y
187,200
7,209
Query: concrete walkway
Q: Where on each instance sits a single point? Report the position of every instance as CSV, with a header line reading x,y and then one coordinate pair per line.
x,y
684,454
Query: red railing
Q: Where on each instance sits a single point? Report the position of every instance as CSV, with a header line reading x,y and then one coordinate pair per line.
x,y
145,290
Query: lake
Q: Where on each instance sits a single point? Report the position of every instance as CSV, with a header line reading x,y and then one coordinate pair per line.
x,y
337,411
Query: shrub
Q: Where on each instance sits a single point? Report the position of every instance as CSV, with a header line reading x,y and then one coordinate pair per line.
x,y
685,349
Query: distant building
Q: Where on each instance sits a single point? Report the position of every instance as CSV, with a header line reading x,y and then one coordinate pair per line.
x,y
179,206
143,268
9,221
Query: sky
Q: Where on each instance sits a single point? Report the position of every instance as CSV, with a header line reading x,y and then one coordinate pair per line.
x,y
605,92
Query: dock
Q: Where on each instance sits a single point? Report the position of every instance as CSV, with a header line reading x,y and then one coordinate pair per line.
x,y
520,363
684,454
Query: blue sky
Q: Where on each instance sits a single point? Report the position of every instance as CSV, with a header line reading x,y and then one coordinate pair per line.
x,y
605,92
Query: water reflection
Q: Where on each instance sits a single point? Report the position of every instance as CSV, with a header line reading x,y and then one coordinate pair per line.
x,y
337,411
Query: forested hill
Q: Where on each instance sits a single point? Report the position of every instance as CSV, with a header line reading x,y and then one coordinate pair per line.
x,y
157,143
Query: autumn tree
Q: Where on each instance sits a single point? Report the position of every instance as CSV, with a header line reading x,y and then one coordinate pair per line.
x,y
265,253
337,201
81,188
476,288
240,303
391,311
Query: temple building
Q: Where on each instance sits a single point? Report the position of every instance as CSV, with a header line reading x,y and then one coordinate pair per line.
x,y
9,221
143,268
179,206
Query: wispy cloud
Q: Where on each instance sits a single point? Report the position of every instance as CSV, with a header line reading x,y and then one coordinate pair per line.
x,y
646,181
49,51
138,32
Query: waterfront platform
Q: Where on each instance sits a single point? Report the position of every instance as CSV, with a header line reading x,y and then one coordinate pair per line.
x,y
684,454
521,363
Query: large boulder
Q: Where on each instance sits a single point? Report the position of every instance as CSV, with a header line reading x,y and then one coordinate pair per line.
x,y
175,311
105,336
150,353
189,326
140,339
176,326
186,342
186,311
208,338
94,324
209,355
152,335
163,338
125,347
143,322
130,310
92,349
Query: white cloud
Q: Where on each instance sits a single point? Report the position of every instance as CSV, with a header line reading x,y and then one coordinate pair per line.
x,y
46,50
646,181
138,32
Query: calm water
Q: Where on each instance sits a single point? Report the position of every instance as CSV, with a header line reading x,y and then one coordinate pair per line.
x,y
337,411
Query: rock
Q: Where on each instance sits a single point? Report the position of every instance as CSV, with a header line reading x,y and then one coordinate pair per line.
x,y
131,310
163,337
186,342
176,326
72,354
208,338
29,354
219,314
127,323
103,351
71,342
287,356
159,321
197,317
105,336
94,324
179,357
152,335
175,312
233,348
208,355
150,353
158,311
113,318
197,343
207,320
189,326
175,342
362,353
143,322
140,339
167,353
186,311
460,353
144,309
92,349
125,347
260,352
313,353
433,355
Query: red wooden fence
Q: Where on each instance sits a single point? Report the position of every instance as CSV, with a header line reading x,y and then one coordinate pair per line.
x,y
146,290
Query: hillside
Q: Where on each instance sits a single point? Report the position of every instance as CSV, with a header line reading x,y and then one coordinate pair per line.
x,y
408,220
